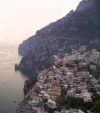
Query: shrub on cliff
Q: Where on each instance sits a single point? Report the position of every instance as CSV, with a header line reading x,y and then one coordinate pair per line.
x,y
96,107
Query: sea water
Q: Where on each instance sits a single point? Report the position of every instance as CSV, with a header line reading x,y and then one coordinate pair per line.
x,y
11,81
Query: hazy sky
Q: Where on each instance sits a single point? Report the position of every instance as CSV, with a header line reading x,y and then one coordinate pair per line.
x,y
19,19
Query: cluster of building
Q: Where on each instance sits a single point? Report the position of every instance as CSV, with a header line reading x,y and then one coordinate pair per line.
x,y
77,84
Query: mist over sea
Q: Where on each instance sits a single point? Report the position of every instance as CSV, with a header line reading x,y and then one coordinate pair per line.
x,y
11,81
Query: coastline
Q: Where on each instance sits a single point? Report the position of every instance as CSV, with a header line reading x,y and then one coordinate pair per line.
x,y
61,83
28,84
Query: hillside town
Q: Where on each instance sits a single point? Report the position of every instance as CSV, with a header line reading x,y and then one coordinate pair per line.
x,y
69,76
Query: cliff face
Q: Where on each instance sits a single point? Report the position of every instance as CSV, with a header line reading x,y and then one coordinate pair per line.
x,y
77,28
41,35
85,4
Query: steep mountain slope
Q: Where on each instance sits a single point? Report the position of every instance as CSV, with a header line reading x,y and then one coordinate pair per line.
x,y
77,28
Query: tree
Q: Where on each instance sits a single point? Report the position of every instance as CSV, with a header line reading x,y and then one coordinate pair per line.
x,y
96,107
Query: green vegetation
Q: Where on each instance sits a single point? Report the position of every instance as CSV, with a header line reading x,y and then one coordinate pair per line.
x,y
29,84
95,73
96,107
70,102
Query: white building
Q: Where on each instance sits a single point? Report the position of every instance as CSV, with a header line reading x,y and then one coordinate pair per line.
x,y
80,111
51,103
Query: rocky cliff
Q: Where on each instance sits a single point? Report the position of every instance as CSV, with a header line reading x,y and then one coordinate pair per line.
x,y
85,4
80,27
